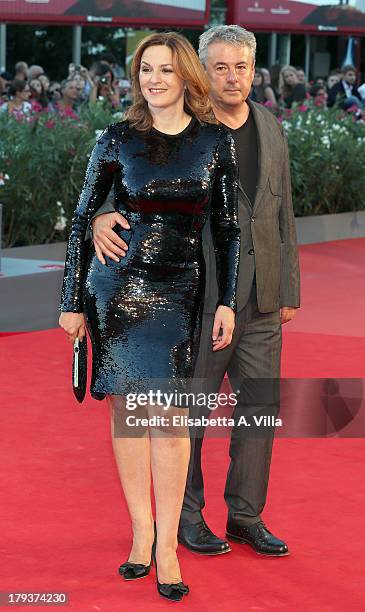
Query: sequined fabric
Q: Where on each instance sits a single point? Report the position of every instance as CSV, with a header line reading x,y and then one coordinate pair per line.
x,y
144,312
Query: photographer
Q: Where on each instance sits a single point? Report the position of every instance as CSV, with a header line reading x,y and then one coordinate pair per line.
x,y
125,93
105,88
111,60
83,79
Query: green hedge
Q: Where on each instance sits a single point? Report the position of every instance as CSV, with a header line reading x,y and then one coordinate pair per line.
x,y
42,165
327,156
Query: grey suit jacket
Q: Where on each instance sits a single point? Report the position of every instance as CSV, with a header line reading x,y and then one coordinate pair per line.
x,y
268,235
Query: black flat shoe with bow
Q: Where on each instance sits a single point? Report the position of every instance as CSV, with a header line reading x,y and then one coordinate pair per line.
x,y
134,571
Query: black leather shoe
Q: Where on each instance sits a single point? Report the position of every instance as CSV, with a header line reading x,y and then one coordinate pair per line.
x,y
198,538
257,536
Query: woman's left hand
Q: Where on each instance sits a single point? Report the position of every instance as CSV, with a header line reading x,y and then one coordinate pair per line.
x,y
224,320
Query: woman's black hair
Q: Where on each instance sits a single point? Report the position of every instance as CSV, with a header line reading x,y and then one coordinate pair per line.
x,y
16,86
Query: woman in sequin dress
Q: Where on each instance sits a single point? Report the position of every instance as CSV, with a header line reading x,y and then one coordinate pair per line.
x,y
171,167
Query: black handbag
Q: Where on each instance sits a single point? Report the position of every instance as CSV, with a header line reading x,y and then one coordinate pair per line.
x,y
79,368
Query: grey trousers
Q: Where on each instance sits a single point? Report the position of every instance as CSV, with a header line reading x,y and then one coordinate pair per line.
x,y
252,362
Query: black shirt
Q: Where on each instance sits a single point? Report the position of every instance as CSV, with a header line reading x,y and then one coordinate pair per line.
x,y
245,138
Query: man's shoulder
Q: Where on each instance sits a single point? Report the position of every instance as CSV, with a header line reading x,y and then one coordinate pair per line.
x,y
337,88
268,120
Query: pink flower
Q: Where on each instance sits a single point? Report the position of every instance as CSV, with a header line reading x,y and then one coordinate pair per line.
x,y
302,108
68,113
50,124
36,106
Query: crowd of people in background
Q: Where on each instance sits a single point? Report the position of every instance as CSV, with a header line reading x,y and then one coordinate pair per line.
x,y
284,87
29,90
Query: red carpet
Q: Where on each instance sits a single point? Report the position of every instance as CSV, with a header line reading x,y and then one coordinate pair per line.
x,y
64,523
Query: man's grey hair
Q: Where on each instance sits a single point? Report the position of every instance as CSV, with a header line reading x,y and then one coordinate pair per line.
x,y
65,83
232,34
21,66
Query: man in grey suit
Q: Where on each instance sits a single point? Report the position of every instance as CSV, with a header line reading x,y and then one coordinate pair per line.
x,y
268,295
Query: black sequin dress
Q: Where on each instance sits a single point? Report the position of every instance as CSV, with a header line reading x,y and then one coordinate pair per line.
x,y
144,313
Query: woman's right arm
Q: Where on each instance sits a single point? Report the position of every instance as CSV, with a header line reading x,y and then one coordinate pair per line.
x,y
93,96
98,180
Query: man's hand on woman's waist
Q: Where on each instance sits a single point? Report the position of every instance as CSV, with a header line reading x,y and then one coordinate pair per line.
x,y
105,239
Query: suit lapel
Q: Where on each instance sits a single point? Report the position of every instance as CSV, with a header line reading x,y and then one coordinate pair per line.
x,y
264,151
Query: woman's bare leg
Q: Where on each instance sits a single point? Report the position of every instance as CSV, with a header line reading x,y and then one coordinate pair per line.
x,y
169,459
133,458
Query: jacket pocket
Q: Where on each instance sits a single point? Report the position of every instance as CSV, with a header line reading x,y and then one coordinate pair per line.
x,y
274,188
